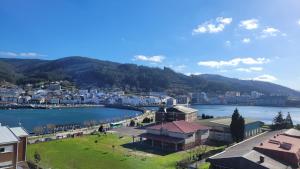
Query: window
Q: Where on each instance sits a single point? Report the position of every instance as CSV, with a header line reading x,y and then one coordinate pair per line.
x,y
2,150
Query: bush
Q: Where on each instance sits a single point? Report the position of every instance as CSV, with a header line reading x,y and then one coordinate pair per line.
x,y
146,120
204,116
132,123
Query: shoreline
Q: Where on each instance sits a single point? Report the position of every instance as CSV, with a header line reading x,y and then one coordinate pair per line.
x,y
118,106
32,106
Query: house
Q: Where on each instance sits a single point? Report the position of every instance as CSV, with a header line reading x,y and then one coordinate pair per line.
x,y
175,135
176,113
220,128
271,150
13,145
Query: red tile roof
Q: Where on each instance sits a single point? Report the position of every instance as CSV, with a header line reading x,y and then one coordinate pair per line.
x,y
179,127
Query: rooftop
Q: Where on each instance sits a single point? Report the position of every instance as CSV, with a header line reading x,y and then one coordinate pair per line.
x,y
244,147
292,133
222,121
184,109
268,162
179,127
7,136
19,131
281,143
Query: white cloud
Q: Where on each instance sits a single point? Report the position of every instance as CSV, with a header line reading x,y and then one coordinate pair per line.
x,y
249,24
256,68
195,73
213,26
246,40
269,31
249,70
298,22
266,78
21,54
156,58
234,62
228,43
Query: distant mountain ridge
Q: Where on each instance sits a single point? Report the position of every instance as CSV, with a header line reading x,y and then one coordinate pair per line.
x,y
89,73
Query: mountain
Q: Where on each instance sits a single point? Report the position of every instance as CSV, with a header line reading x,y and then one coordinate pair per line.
x,y
89,73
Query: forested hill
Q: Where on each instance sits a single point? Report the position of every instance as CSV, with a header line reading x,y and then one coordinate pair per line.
x,y
87,73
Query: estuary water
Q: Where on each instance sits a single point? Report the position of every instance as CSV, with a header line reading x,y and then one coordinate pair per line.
x,y
265,114
30,118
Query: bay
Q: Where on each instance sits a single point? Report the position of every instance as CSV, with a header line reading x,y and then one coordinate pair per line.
x,y
30,118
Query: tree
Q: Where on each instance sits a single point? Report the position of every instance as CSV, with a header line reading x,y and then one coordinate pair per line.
x,y
278,122
288,121
101,129
132,123
146,120
297,126
37,157
237,126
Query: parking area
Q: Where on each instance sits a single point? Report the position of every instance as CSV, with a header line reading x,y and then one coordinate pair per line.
x,y
128,131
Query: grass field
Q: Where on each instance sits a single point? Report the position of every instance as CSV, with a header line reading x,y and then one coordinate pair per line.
x,y
85,153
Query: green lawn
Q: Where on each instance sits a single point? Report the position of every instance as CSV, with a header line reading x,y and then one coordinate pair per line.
x,y
84,153
204,166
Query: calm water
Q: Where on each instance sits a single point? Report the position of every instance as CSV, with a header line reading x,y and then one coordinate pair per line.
x,y
31,118
265,114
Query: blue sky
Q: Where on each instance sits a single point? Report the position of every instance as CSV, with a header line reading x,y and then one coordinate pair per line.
x,y
257,39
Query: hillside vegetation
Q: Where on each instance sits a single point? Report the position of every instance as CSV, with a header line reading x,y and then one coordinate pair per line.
x,y
89,73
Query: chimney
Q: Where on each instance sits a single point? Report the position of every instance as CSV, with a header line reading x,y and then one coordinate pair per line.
x,y
261,159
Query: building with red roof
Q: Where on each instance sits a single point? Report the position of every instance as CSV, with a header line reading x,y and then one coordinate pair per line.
x,y
175,135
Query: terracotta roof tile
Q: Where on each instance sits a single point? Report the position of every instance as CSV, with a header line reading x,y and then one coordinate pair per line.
x,y
179,127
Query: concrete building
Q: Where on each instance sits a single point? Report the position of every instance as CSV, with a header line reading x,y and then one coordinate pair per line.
x,y
271,150
169,101
199,98
183,100
220,128
54,86
281,148
13,145
175,136
176,113
271,101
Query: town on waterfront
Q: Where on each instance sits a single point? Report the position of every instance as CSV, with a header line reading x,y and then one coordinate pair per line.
x,y
60,94
154,84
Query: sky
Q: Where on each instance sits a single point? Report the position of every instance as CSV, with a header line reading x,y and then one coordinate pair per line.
x,y
257,39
